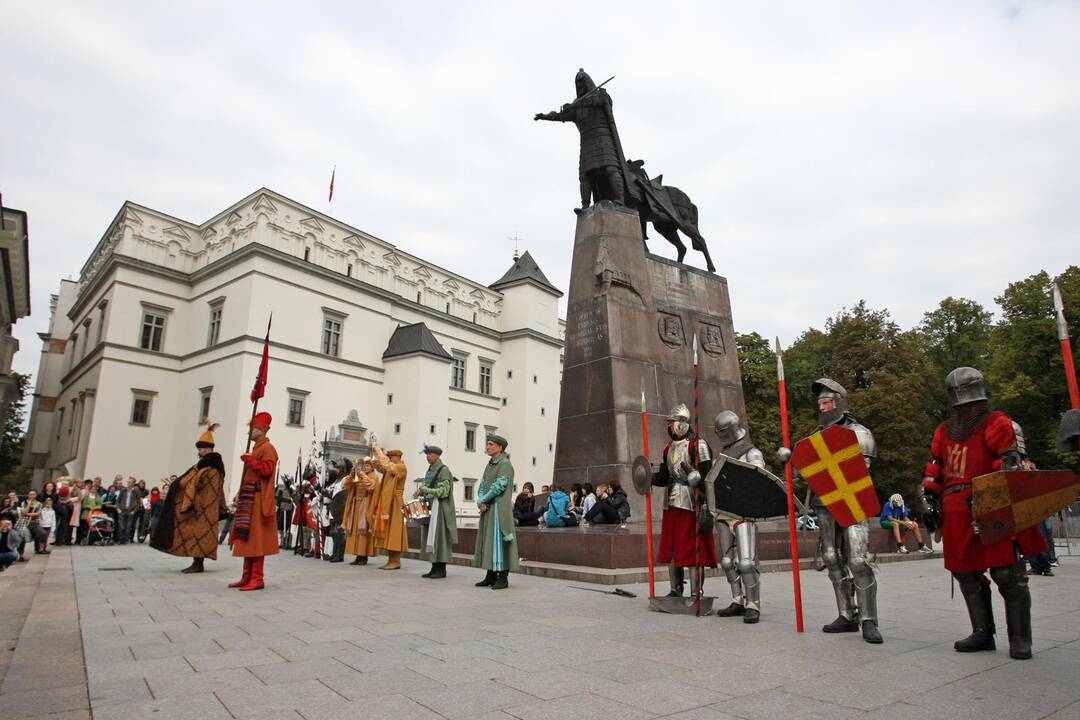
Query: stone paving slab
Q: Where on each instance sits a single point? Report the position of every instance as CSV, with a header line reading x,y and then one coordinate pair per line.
x,y
330,641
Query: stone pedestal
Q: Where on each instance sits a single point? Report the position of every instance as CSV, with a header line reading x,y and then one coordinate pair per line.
x,y
630,324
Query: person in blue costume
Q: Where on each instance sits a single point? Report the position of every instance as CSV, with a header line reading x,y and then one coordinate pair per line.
x,y
496,541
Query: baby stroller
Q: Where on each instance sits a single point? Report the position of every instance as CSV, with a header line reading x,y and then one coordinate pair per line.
x,y
99,527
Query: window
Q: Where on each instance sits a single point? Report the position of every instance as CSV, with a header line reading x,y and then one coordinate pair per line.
x,y
74,342
348,270
447,308
485,378
141,403
534,462
534,379
71,418
541,412
86,336
204,404
551,447
457,372
431,429
470,438
60,423
504,402
213,334
153,331
307,254
469,493
390,399
297,403
397,428
417,298
509,374
331,336
101,319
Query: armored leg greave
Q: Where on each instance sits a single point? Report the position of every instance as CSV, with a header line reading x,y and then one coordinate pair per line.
x,y
1012,583
677,578
729,562
746,535
976,591
858,562
843,586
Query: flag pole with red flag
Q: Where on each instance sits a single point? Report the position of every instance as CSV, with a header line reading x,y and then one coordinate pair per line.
x,y
260,379
333,174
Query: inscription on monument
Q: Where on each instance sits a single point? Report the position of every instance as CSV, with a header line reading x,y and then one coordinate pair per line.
x,y
586,334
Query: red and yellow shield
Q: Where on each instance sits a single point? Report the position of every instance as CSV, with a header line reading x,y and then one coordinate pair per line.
x,y
832,463
1006,503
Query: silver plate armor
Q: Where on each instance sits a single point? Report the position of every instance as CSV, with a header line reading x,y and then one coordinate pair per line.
x,y
965,385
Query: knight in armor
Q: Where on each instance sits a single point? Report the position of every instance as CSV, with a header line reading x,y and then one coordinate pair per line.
x,y
738,537
846,551
338,495
600,164
683,543
974,441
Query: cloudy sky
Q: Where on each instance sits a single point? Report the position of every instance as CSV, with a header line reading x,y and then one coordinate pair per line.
x,y
897,152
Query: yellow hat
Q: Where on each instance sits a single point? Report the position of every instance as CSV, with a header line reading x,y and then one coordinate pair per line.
x,y
207,438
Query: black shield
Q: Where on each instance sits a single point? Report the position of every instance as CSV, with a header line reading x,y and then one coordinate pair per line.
x,y
747,491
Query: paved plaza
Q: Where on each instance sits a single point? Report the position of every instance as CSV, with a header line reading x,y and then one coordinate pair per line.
x,y
117,633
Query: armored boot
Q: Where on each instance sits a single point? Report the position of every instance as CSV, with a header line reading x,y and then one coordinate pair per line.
x,y
1013,585
976,591
488,580
746,532
737,607
847,620
867,598
437,572
501,580
677,579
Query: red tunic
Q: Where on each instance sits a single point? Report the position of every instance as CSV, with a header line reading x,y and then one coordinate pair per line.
x,y
263,538
681,542
958,462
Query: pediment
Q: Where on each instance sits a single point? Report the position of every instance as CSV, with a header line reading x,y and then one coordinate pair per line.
x,y
451,284
263,202
354,241
132,217
392,259
176,231
478,294
422,271
312,224
209,234
234,217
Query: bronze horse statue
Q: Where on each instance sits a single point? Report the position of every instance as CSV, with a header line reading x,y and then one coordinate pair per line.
x,y
668,208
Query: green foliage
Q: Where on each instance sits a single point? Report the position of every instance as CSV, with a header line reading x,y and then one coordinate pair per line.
x,y
896,379
12,476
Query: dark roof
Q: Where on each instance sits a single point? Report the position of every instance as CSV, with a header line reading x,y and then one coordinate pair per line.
x,y
525,269
409,339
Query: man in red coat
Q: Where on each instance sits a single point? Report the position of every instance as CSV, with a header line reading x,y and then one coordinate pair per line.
x,y
973,442
254,530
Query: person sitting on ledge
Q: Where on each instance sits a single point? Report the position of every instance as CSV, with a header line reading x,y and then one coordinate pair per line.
x,y
559,512
611,507
525,512
896,517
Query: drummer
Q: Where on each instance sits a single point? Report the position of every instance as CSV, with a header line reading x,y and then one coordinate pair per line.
x,y
438,535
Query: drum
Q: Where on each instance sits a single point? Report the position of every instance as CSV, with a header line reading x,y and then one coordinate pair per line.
x,y
418,511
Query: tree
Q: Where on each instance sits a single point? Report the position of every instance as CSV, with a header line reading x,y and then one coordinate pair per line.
x,y
757,365
13,438
1026,376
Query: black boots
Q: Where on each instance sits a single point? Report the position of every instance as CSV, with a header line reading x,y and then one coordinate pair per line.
x,y
1018,620
841,625
196,566
976,594
735,609
678,580
870,632
501,580
437,571
488,580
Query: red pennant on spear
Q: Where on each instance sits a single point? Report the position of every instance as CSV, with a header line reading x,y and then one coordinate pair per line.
x,y
792,535
260,378
1066,349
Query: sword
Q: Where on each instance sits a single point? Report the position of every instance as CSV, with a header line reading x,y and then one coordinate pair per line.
x,y
617,591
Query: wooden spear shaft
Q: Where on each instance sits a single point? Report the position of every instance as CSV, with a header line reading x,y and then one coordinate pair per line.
x,y
648,498
792,534
1066,350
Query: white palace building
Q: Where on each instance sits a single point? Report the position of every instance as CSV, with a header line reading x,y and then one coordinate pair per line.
x,y
165,326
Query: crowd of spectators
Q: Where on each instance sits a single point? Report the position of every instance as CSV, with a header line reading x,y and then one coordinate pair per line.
x,y
74,511
605,504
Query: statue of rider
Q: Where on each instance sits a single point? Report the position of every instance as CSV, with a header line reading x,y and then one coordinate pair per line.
x,y
846,551
686,461
974,441
738,537
601,171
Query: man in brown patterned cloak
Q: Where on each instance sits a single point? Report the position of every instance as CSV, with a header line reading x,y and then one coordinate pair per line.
x,y
188,526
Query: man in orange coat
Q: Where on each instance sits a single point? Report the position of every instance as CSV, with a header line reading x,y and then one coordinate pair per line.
x,y
254,530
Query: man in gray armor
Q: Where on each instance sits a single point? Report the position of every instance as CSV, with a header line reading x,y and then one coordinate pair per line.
x,y
846,550
687,460
738,537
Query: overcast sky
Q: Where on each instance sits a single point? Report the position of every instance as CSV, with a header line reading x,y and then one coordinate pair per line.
x,y
897,152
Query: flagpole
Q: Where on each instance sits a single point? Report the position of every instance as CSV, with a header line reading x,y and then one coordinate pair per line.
x,y
699,581
648,497
1066,349
792,534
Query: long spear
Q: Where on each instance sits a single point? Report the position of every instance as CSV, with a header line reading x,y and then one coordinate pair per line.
x,y
699,581
794,538
648,496
260,379
1066,349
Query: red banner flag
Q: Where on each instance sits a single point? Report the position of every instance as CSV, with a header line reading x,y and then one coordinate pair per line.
x,y
260,380
332,175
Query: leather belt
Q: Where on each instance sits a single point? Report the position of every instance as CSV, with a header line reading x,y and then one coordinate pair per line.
x,y
955,489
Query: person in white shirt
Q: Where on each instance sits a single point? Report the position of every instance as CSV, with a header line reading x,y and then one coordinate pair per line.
x,y
47,521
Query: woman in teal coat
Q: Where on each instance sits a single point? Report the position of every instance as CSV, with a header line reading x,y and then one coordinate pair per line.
x,y
496,541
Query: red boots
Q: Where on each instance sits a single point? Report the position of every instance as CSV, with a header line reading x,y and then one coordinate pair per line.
x,y
256,582
252,579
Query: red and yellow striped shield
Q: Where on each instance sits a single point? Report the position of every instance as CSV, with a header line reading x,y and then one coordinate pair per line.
x,y
832,463
1006,503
